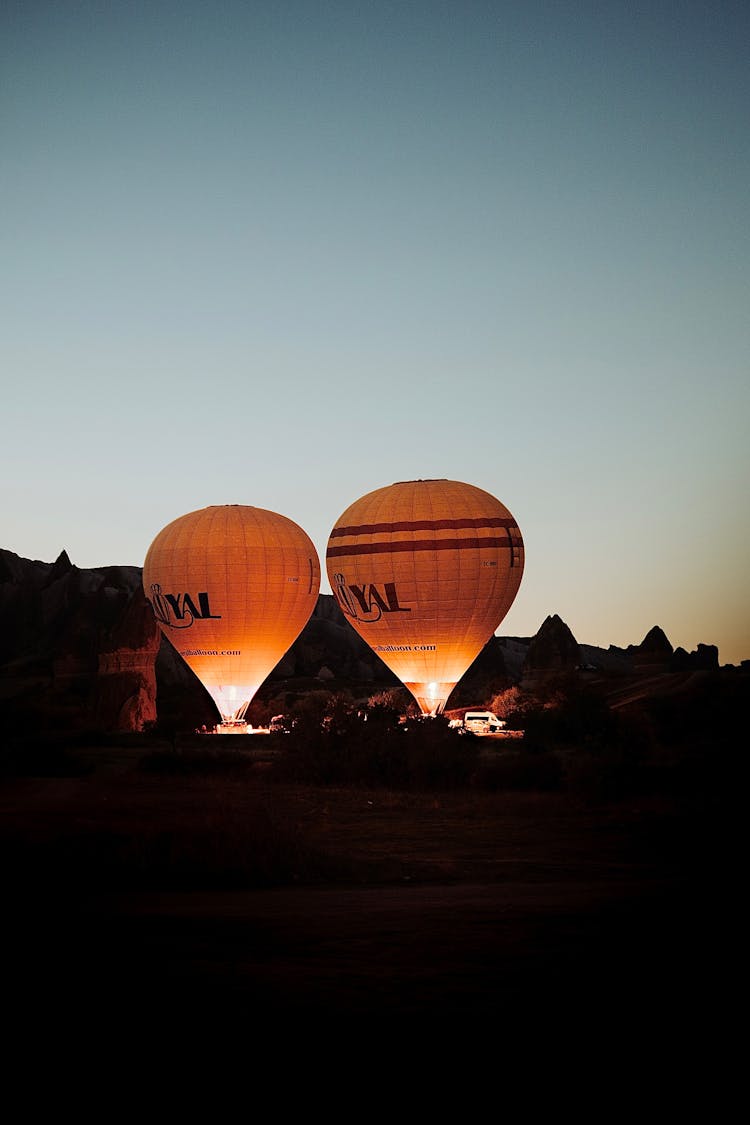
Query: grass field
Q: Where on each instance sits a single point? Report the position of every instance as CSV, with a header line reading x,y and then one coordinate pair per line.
x,y
145,882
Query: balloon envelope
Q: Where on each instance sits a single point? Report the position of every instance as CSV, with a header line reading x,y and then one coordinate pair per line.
x,y
425,571
232,587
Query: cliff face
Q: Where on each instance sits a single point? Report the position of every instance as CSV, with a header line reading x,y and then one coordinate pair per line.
x,y
77,646
126,669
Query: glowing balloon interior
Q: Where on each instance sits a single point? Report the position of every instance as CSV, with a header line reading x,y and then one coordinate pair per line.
x,y
425,571
232,587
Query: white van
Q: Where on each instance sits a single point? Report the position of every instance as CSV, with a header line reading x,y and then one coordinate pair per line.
x,y
483,722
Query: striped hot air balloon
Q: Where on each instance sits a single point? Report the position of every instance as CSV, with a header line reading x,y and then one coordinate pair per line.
x,y
425,571
232,587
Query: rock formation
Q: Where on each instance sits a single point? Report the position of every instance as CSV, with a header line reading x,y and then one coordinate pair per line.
x,y
553,649
328,641
61,628
654,653
79,649
705,658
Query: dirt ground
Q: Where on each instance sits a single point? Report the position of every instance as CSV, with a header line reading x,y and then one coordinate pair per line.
x,y
189,902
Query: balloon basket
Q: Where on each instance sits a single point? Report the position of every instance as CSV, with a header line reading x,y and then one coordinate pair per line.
x,y
236,726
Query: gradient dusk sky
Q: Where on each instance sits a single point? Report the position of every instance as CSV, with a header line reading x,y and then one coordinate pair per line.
x,y
284,254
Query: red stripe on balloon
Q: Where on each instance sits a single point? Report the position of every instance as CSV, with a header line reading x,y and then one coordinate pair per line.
x,y
421,545
423,525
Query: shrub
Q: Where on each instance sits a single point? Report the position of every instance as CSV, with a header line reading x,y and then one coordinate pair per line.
x,y
512,705
378,752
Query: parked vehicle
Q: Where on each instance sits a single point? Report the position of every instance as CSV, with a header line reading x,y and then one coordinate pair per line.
x,y
481,722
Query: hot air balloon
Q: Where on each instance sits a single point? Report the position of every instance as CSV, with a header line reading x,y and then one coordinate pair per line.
x,y
232,587
425,571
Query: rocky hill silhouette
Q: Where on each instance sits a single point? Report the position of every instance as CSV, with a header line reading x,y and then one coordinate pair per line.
x,y
79,648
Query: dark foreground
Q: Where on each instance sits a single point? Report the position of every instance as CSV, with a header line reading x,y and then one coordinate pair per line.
x,y
187,903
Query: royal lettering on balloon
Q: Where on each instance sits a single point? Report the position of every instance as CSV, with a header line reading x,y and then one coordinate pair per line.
x,y
365,602
179,611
